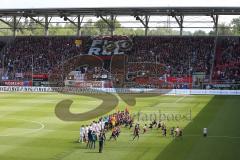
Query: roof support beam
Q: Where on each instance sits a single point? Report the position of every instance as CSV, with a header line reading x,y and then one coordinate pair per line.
x,y
215,21
14,26
144,20
37,21
46,26
179,20
71,21
122,11
146,24
7,23
110,22
79,23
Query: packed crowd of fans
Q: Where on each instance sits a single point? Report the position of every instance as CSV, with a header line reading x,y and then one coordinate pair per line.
x,y
177,55
227,67
155,56
39,53
2,44
170,57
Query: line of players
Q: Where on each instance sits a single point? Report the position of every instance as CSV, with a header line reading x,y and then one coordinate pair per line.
x,y
97,129
174,132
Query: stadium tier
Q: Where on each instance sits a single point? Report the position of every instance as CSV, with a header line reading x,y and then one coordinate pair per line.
x,y
121,61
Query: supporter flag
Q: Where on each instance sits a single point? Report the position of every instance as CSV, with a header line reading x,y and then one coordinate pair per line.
x,y
78,42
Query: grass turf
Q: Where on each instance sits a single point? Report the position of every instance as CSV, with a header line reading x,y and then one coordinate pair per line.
x,y
22,136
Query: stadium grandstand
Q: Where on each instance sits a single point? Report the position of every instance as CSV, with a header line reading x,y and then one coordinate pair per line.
x,y
152,61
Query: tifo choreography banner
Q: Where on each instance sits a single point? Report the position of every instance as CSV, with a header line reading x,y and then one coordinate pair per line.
x,y
108,46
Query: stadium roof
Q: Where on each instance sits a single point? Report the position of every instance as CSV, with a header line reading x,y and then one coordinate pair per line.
x,y
125,11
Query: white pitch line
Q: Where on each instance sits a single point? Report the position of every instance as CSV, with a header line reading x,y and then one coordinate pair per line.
x,y
42,126
179,99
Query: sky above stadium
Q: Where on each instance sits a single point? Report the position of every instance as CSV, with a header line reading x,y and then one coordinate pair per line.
x,y
13,4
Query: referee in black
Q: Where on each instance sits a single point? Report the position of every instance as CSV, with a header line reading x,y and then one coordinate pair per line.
x,y
101,140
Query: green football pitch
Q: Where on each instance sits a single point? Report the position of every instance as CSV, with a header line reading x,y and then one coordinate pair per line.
x,y
30,130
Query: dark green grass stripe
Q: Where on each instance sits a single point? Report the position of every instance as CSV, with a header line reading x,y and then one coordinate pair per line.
x,y
182,149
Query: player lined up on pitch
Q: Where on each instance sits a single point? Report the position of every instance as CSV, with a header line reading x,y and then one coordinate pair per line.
x,y
95,131
174,132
